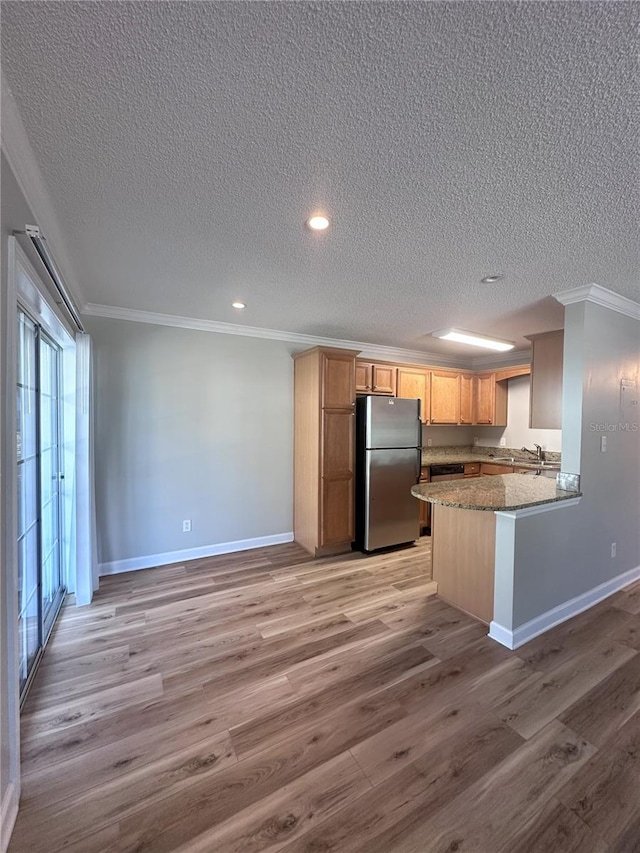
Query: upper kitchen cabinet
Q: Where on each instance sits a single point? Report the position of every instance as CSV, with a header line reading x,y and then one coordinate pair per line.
x,y
445,397
338,386
374,378
413,383
323,449
546,380
467,388
490,400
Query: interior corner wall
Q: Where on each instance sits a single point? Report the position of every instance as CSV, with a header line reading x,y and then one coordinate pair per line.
x,y
567,553
15,212
189,425
518,433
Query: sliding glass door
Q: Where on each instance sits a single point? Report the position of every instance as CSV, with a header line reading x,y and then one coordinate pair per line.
x,y
40,481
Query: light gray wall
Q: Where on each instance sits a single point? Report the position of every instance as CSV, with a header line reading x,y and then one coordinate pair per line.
x,y
517,432
189,425
562,554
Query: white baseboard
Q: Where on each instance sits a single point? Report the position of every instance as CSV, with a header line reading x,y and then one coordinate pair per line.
x,y
8,815
152,560
535,627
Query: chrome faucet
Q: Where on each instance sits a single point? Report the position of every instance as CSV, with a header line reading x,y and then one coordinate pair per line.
x,y
538,452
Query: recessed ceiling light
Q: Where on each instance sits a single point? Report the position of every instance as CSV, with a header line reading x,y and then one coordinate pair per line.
x,y
489,279
473,339
238,304
318,222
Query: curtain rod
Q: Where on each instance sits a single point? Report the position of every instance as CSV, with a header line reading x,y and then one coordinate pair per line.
x,y
40,244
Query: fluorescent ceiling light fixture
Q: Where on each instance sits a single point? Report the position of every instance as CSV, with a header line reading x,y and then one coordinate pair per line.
x,y
238,304
317,222
473,339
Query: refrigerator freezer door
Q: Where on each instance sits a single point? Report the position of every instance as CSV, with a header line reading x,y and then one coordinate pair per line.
x,y
391,511
393,422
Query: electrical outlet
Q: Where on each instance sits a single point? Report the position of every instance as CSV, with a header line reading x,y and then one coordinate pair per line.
x,y
503,442
475,439
614,549
186,525
429,442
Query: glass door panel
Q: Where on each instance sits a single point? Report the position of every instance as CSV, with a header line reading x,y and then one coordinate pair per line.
x,y
28,501
50,480
39,490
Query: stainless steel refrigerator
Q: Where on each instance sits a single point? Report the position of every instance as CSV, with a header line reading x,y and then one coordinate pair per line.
x,y
388,455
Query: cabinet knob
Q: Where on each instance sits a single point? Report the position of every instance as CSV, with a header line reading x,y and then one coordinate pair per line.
x,y
373,387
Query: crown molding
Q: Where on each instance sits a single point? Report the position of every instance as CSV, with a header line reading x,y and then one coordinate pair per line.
x,y
600,296
112,312
21,159
508,359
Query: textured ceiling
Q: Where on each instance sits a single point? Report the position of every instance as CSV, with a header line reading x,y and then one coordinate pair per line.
x,y
184,144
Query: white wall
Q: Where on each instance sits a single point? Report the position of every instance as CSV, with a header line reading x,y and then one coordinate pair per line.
x,y
563,554
189,425
15,213
517,432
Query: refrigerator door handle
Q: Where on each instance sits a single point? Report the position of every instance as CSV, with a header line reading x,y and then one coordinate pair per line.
x,y
419,465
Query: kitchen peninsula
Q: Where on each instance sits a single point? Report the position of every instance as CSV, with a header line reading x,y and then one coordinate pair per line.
x,y
464,531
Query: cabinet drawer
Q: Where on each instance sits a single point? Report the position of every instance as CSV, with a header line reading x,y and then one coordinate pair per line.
x,y
471,469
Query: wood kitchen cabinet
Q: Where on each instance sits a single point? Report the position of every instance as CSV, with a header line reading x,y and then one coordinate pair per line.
x,y
324,452
490,400
375,378
414,384
445,397
545,410
467,395
494,468
424,509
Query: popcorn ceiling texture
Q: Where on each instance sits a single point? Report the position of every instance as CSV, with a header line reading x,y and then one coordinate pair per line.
x,y
184,145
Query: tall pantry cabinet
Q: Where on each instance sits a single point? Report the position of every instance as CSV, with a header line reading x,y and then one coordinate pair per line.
x,y
323,449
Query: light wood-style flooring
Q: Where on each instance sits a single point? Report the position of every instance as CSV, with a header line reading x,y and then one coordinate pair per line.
x,y
265,701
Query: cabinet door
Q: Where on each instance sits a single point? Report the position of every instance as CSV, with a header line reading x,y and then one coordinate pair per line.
x,y
445,397
338,385
384,379
490,468
424,511
337,465
414,384
364,378
546,381
485,399
467,383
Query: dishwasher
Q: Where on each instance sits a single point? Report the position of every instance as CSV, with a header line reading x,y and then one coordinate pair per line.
x,y
446,472
443,472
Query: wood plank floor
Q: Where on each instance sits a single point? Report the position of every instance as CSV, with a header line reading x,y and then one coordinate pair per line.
x,y
265,701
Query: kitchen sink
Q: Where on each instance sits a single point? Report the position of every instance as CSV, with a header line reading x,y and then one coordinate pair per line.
x,y
514,460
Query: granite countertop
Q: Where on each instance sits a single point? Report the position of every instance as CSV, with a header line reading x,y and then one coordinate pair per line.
x,y
468,453
497,492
